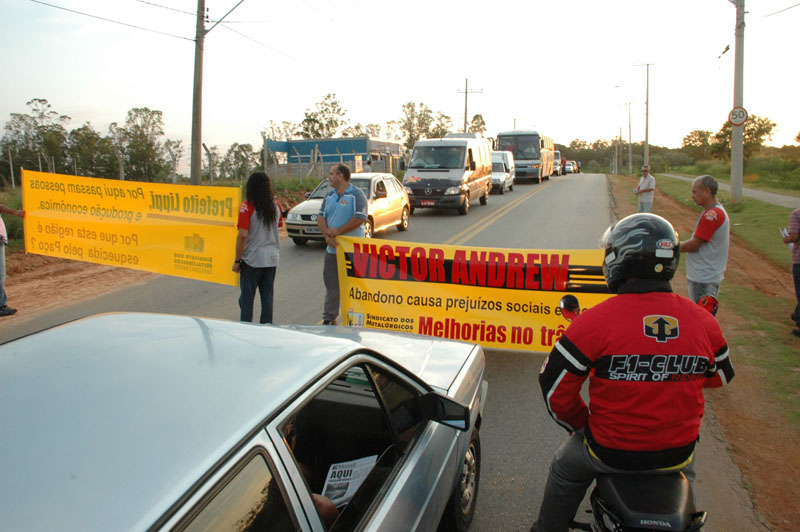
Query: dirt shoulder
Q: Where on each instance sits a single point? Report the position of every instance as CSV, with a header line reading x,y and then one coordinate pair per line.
x,y
763,443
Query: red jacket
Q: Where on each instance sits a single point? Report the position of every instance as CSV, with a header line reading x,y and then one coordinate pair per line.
x,y
648,354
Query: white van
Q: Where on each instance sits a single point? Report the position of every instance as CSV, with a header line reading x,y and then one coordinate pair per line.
x,y
449,173
503,171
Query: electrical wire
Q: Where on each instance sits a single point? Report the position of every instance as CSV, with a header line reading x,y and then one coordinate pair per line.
x,y
166,7
781,11
261,44
113,21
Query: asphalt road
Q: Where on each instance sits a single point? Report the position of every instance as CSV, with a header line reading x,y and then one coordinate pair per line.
x,y
518,437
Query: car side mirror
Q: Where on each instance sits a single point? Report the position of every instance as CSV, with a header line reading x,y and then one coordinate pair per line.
x,y
307,194
444,410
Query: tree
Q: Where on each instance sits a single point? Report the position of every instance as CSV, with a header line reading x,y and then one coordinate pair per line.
x,y
578,145
415,123
478,125
442,127
141,146
325,121
756,131
37,138
697,144
90,154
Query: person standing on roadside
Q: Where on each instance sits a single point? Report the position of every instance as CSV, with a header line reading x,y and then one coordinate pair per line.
x,y
792,237
707,250
368,166
343,212
257,246
645,190
5,310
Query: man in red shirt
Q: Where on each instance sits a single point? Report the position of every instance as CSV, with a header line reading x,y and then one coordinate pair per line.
x,y
648,353
707,250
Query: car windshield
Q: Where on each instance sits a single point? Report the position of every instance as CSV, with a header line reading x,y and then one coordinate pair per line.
x,y
438,157
498,167
323,188
522,146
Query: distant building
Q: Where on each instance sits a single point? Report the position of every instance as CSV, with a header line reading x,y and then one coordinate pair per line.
x,y
343,149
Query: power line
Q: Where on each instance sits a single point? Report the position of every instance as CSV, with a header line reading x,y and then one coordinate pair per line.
x,y
781,11
166,7
261,43
112,21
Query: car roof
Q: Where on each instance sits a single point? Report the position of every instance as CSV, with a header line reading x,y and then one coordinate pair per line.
x,y
109,420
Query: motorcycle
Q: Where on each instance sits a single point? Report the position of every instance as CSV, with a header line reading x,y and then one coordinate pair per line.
x,y
641,503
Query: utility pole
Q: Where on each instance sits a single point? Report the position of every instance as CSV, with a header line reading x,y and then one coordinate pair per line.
x,y
630,150
197,94
647,116
737,132
467,92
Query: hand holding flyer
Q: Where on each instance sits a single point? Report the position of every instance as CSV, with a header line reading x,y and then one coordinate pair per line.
x,y
343,479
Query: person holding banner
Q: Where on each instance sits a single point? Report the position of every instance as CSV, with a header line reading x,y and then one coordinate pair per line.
x,y
5,310
257,246
648,353
343,212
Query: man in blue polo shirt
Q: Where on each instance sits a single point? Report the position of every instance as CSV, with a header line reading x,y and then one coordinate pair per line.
x,y
343,212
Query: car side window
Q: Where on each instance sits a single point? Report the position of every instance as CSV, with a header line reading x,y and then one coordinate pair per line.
x,y
250,501
348,438
380,187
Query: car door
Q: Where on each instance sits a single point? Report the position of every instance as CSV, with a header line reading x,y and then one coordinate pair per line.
x,y
357,440
250,491
381,204
395,197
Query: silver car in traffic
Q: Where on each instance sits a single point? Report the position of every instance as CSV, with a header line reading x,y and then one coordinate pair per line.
x,y
160,422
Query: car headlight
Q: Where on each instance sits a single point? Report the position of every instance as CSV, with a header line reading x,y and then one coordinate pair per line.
x,y
293,217
452,191
409,191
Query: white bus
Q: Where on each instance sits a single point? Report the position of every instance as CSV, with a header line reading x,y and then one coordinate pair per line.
x,y
533,153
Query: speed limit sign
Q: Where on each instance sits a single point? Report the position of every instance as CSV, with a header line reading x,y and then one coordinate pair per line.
x,y
737,116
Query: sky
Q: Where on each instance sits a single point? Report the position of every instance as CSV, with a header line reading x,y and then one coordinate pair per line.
x,y
569,69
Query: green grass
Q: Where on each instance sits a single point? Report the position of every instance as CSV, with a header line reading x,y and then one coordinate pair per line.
x,y
772,174
756,222
13,198
768,345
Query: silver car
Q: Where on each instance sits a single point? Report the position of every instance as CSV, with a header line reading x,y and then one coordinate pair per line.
x,y
387,206
162,422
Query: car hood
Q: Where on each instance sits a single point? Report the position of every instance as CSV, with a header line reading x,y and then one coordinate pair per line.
x,y
309,206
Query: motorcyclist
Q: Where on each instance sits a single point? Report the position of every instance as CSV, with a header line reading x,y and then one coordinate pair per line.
x,y
648,354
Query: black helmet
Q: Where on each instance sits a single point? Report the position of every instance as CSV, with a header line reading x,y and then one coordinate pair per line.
x,y
641,245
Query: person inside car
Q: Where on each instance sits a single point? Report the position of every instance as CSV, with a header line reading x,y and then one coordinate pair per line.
x,y
648,353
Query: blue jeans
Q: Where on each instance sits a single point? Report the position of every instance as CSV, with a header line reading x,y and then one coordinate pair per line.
x,y
571,473
698,290
795,274
249,279
330,276
4,299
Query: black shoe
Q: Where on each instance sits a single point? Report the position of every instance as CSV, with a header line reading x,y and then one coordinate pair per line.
x,y
5,310
327,322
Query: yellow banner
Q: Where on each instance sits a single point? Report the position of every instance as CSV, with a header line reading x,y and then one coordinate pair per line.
x,y
500,298
183,230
